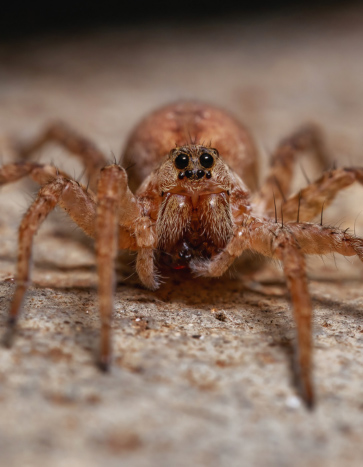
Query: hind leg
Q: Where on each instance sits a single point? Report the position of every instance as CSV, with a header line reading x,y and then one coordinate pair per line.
x,y
278,182
307,204
76,200
57,132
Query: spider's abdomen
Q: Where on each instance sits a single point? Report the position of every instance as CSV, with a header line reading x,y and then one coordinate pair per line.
x,y
183,123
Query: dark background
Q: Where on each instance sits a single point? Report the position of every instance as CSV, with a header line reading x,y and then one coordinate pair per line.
x,y
19,18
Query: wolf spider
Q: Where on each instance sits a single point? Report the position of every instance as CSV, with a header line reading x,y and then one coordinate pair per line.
x,y
188,205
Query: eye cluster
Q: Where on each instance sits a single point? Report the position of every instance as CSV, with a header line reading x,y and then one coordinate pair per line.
x,y
182,161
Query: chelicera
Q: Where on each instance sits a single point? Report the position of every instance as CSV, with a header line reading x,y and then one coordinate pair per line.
x,y
189,200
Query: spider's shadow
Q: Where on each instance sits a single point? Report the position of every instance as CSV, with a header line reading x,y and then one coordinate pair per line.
x,y
217,293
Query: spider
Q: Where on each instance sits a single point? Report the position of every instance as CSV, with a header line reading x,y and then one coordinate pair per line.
x,y
188,204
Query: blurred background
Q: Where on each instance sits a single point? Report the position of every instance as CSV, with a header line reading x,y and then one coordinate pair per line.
x,y
100,66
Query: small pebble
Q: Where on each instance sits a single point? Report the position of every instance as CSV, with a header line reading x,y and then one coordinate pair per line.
x,y
293,402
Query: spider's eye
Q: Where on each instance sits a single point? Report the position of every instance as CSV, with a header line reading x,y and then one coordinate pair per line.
x,y
206,160
181,161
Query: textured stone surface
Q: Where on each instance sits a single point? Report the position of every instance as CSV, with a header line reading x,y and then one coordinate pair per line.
x,y
202,369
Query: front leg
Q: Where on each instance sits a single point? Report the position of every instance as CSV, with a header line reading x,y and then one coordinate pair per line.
x,y
108,196
146,242
273,240
285,247
221,263
119,224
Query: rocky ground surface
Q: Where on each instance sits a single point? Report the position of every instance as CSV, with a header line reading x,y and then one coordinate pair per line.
x,y
202,371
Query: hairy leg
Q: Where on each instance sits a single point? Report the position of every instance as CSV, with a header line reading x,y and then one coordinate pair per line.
x,y
119,224
285,248
137,231
80,204
76,199
315,239
92,158
145,269
288,243
48,197
146,240
307,204
115,203
272,240
257,235
108,196
41,173
278,181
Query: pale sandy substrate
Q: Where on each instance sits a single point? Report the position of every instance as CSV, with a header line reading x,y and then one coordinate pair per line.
x,y
202,371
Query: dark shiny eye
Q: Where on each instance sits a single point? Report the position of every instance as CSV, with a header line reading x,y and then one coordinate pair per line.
x,y
181,161
206,160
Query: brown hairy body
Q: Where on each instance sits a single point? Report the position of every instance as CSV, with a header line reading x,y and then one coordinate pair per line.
x,y
189,200
193,216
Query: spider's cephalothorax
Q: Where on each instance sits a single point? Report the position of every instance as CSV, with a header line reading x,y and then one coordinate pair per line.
x,y
189,207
